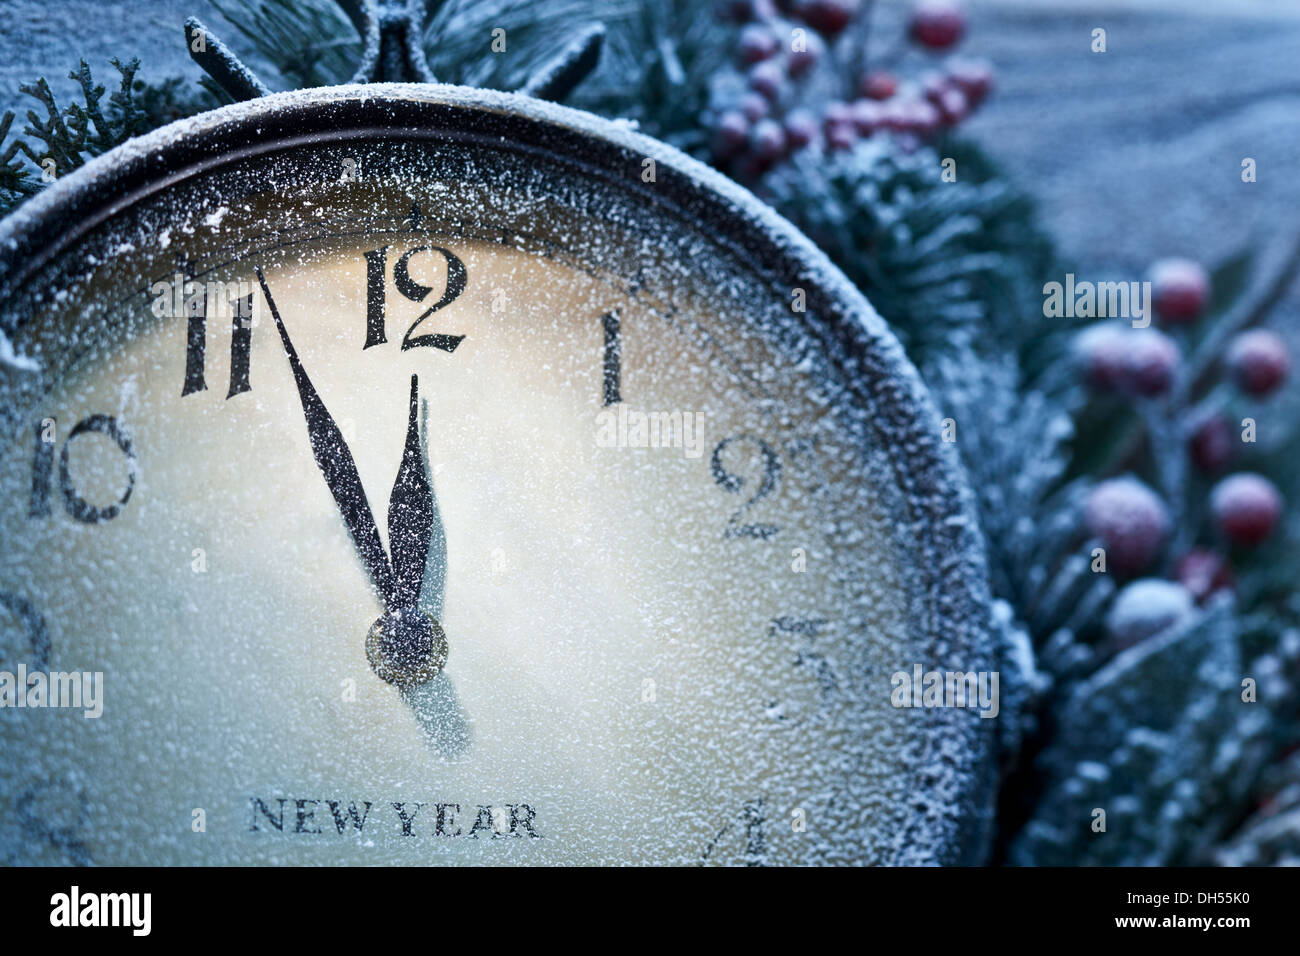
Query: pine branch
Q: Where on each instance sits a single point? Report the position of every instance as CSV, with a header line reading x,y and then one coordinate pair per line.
x,y
68,137
950,265
657,70
304,42
16,180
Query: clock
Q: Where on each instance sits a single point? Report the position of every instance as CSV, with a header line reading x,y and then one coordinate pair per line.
x,y
406,473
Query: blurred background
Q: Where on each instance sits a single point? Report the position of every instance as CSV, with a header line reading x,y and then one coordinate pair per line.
x,y
954,158
1126,153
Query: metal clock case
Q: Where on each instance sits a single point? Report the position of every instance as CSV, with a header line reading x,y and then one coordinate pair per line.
x,y
657,646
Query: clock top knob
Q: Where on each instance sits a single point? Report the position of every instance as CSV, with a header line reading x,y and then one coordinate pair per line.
x,y
391,33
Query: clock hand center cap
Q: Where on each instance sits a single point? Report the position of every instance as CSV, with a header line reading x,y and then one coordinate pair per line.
x,y
406,647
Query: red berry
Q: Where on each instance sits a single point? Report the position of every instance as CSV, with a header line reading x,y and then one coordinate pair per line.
x,y
1258,361
1131,521
800,128
768,141
756,43
937,24
868,116
1180,290
840,135
1100,354
754,107
839,126
880,85
801,61
933,83
1212,444
972,77
1147,607
730,134
921,117
1246,507
1203,572
893,115
839,112
827,16
767,79
952,106
1151,362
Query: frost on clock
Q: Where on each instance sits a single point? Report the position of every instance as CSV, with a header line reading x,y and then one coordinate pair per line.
x,y
228,595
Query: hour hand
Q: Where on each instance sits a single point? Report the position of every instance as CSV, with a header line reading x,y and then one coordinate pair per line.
x,y
337,465
411,515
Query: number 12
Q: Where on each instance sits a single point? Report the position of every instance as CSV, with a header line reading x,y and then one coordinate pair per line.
x,y
376,293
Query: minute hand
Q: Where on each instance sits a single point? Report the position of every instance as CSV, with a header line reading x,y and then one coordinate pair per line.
x,y
336,464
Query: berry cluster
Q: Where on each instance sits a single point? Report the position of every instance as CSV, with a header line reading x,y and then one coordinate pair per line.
x,y
1130,519
1147,361
802,80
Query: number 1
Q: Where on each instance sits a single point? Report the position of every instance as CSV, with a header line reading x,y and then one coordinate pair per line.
x,y
613,365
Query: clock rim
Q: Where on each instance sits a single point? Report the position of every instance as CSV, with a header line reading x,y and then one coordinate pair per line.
x,y
960,752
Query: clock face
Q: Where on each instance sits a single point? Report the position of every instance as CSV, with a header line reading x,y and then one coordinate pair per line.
x,y
481,495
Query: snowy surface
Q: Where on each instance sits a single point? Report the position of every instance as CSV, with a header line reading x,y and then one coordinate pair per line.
x,y
1135,154
1159,174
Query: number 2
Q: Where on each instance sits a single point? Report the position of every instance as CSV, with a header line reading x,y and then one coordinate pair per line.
x,y
734,484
